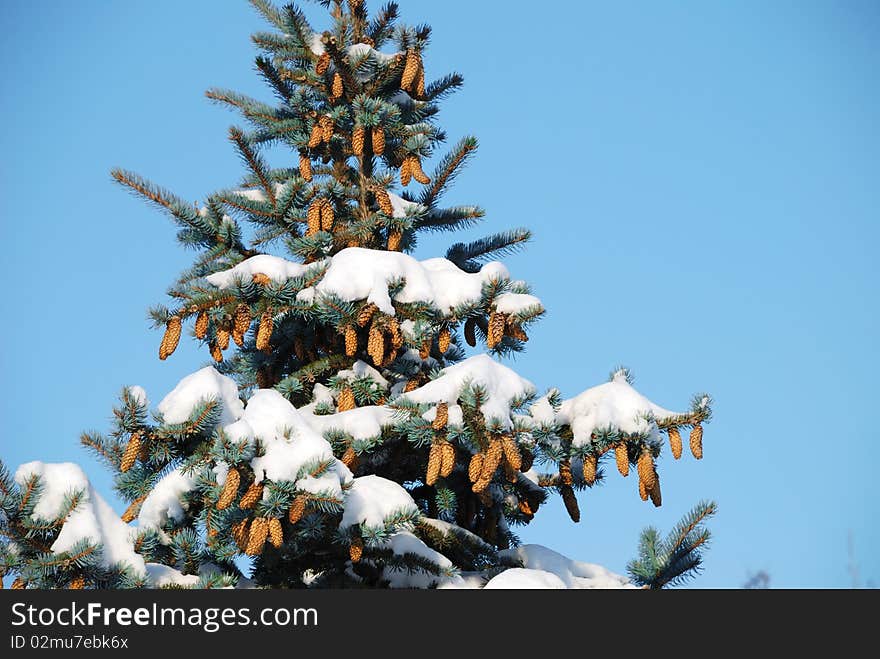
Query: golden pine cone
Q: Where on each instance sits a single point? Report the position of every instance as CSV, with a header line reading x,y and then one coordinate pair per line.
x,y
230,489
591,464
297,509
406,171
251,496
257,536
133,509
697,441
356,549
417,172
511,452
351,341
276,534
216,353
511,474
327,127
131,452
383,199
338,89
313,217
316,137
571,503
394,238
396,334
654,492
350,458
516,331
645,467
435,459
77,583
447,459
378,140
410,70
475,468
493,458
525,508
264,332
241,324
171,338
420,83
565,472
643,491
323,64
442,417
376,344
328,215
305,167
202,325
261,279
411,385
358,137
675,442
346,400
496,329
222,338
444,340
425,349
479,488
366,314
620,453
18,584
240,533
470,332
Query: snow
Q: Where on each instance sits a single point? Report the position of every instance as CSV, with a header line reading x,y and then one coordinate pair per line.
x,y
361,423
571,574
518,578
257,194
358,52
615,405
371,499
356,274
542,411
501,384
316,45
360,369
178,406
405,542
404,208
274,267
139,395
159,575
164,503
93,520
513,303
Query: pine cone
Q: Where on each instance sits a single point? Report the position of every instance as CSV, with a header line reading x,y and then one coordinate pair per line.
x,y
447,459
276,534
240,533
18,584
216,353
475,468
571,503
525,508
202,325
297,509
376,344
511,452
435,459
496,329
351,341
417,172
516,331
131,452
396,334
697,441
222,338
675,442
410,70
356,549
406,171
316,137
133,509
425,349
620,453
257,536
338,89
470,332
346,400
420,83
565,472
442,417
654,492
528,459
645,467
366,314
264,332
444,340
394,238
378,140
171,338
77,583
328,215
493,458
358,137
591,463
643,491
241,324
251,496
313,216
411,385
261,279
305,168
323,64
479,488
350,458
230,489
384,201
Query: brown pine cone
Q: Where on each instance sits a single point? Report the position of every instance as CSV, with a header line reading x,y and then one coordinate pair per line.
x,y
697,441
297,509
337,90
620,454
417,172
366,314
571,503
222,338
241,324
435,459
351,341
216,353
493,458
406,171
230,489
356,549
323,64
565,472
378,140
257,536
496,329
442,417
202,325
394,238
384,201
654,492
675,442
346,400
475,468
410,70
241,532
511,452
444,340
470,332
328,215
376,344
276,534
261,279
358,138
447,459
316,137
251,496
305,168
645,467
131,452
350,458
171,338
591,463
264,332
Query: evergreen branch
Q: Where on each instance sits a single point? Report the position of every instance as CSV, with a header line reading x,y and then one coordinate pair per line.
x,y
449,219
254,162
268,11
448,169
382,27
469,256
441,88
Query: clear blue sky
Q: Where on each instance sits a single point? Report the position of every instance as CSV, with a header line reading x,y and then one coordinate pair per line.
x,y
701,178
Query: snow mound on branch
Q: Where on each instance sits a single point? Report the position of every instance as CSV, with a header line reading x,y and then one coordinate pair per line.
x,y
256,194
372,499
404,208
164,502
274,267
360,369
513,303
518,578
93,520
501,383
178,406
356,274
289,441
139,395
615,405
360,423
571,574
405,542
360,52
159,575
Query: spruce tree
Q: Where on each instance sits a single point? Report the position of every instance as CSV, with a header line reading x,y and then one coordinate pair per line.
x,y
343,436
